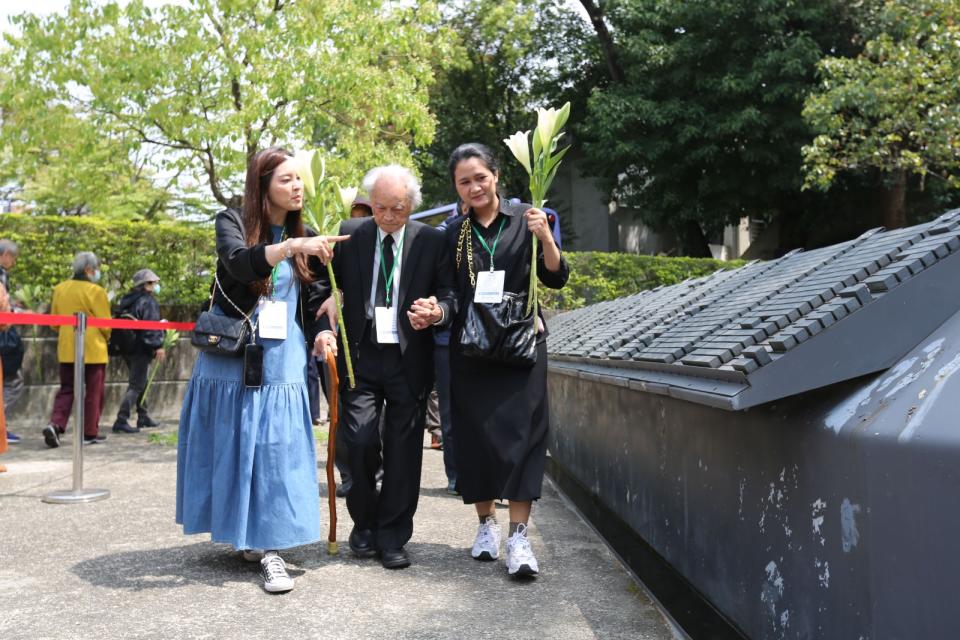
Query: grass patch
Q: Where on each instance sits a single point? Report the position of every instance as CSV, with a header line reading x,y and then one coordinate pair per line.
x,y
166,439
320,434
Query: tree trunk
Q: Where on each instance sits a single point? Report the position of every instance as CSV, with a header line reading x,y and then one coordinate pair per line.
x,y
595,11
895,201
693,242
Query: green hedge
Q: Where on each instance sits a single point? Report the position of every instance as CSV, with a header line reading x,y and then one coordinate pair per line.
x,y
597,276
183,255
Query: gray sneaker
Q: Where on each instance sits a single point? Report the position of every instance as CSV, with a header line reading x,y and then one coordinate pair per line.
x,y
274,572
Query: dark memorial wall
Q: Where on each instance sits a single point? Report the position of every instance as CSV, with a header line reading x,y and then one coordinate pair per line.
x,y
785,436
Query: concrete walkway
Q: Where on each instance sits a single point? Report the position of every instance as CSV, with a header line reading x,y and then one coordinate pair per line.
x,y
121,568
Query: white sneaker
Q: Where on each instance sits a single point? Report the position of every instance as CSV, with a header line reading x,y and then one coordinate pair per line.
x,y
253,555
520,558
486,546
274,572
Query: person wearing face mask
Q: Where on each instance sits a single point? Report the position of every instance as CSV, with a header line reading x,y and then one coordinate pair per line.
x,y
139,303
80,294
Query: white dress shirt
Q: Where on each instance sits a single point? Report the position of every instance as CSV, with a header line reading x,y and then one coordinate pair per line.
x,y
397,259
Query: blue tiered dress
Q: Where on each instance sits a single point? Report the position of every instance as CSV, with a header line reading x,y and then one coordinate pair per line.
x,y
246,460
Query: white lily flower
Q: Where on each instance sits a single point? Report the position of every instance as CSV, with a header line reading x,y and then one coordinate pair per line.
x,y
520,147
546,122
347,196
549,125
542,170
304,161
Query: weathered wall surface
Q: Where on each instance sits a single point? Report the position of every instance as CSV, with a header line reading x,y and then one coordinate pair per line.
x,y
832,514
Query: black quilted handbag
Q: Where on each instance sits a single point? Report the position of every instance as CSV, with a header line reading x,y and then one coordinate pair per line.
x,y
500,332
219,334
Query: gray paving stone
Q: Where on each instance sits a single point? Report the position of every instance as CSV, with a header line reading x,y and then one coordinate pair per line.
x,y
122,568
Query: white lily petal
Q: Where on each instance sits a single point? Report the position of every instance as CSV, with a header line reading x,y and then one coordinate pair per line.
x,y
347,196
304,161
546,122
519,145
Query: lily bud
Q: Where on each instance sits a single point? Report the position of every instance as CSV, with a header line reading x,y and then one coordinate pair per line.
x,y
520,147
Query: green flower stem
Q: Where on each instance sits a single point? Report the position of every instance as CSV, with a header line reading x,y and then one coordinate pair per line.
x,y
170,337
532,301
343,327
146,390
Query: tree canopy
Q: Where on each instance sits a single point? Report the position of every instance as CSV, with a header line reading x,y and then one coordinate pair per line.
x,y
511,57
706,125
189,93
895,108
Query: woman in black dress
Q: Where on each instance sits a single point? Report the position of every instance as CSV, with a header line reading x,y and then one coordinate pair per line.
x,y
499,412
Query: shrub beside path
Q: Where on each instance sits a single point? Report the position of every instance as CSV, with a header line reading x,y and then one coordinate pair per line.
x,y
121,568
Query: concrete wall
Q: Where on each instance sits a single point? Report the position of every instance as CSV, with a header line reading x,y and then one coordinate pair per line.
x,y
578,199
832,514
33,409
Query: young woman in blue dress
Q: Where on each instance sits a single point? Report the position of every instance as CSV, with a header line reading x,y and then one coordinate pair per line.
x,y
246,464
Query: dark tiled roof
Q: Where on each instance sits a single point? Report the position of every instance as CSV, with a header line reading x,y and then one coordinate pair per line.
x,y
851,309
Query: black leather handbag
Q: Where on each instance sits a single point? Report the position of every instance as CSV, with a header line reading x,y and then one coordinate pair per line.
x,y
219,334
500,332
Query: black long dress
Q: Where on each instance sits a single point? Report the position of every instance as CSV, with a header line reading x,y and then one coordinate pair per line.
x,y
499,414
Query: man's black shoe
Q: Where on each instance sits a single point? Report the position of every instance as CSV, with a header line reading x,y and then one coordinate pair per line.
x,y
122,426
51,437
146,423
97,439
394,558
361,543
343,490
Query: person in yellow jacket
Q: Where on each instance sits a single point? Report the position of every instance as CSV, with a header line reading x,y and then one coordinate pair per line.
x,y
80,294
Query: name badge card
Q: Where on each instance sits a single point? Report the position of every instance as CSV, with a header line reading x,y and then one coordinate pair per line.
x,y
489,286
386,326
272,321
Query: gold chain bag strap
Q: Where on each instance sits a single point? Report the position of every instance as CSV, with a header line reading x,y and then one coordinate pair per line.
x,y
497,332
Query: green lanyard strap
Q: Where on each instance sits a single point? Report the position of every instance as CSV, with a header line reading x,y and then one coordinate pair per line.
x,y
275,274
495,241
388,279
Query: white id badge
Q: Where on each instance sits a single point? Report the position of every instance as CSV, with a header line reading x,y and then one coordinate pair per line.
x,y
386,326
272,321
489,286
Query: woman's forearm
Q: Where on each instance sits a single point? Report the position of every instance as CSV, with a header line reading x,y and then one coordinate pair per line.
x,y
551,255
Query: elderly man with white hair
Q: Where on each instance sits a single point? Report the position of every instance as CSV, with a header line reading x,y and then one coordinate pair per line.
x,y
394,276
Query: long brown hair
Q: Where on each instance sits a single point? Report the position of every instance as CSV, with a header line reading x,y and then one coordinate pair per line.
x,y
256,221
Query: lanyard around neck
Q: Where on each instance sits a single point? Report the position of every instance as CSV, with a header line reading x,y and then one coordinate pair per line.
x,y
484,242
388,279
275,273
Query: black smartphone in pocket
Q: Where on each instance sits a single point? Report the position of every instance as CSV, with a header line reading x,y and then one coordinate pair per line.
x,y
253,365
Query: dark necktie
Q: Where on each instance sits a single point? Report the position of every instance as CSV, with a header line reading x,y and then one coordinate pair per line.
x,y
386,267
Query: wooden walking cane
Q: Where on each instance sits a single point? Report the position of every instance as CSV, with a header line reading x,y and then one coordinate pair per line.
x,y
333,393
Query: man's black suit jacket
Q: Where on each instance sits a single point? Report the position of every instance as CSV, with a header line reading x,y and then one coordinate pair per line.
x,y
424,271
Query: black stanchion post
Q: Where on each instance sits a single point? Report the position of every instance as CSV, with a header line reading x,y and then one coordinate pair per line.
x,y
78,493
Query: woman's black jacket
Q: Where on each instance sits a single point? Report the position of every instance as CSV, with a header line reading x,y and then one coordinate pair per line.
x,y
239,265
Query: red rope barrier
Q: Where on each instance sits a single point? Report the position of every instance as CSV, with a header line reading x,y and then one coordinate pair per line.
x,y
144,325
71,321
